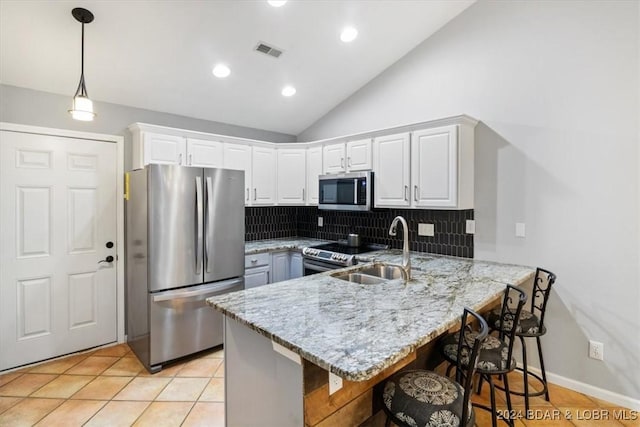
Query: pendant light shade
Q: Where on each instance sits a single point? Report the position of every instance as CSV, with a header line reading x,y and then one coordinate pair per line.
x,y
82,108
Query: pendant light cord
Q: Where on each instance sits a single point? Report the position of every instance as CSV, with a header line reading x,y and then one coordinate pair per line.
x,y
82,90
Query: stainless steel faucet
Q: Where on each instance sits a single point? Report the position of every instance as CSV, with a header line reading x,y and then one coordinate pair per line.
x,y
406,259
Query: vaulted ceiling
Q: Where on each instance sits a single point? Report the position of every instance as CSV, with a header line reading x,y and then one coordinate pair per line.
x,y
159,55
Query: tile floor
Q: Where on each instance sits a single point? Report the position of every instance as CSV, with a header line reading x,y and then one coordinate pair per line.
x,y
109,387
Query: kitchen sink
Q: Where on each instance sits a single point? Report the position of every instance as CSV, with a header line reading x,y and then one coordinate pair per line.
x,y
384,271
377,273
364,279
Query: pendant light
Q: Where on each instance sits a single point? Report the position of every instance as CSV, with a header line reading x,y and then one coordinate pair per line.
x,y
82,108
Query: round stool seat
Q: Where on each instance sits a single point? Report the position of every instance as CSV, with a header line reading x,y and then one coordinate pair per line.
x,y
424,398
493,356
528,325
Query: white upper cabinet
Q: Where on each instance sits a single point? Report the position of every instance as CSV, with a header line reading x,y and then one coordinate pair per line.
x,y
334,158
263,176
314,169
162,149
204,153
238,156
359,155
291,176
391,164
347,157
434,167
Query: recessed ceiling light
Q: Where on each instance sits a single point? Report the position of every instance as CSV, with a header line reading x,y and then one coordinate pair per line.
x,y
221,71
349,34
288,91
277,3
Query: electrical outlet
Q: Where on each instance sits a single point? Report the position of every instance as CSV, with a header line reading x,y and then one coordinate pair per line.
x,y
320,221
520,231
425,230
596,350
471,227
335,383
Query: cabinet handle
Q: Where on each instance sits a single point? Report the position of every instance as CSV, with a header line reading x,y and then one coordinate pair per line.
x,y
303,194
342,162
406,192
268,280
180,158
247,194
253,261
255,194
415,193
349,161
190,159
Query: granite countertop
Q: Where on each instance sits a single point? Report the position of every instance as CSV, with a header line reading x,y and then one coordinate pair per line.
x,y
356,331
258,246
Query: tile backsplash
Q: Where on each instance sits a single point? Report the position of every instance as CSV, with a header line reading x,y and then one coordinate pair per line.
x,y
449,226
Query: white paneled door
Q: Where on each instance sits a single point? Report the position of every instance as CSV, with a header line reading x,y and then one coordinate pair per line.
x,y
57,225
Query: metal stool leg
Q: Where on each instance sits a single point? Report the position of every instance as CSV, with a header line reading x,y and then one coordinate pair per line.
x,y
544,373
525,376
505,380
387,422
494,415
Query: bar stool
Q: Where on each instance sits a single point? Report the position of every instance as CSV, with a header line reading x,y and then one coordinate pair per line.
x,y
495,357
420,398
531,324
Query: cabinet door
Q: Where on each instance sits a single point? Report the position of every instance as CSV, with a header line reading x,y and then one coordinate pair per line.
x,y
237,156
164,149
296,269
333,158
391,155
434,158
291,176
279,266
359,155
263,176
204,154
314,169
254,277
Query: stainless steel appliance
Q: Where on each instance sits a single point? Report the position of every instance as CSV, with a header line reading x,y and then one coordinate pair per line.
x,y
185,243
331,256
346,191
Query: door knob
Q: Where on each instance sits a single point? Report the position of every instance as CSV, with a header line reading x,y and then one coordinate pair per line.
x,y
109,245
108,259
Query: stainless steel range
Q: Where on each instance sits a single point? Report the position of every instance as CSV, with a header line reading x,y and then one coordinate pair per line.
x,y
331,256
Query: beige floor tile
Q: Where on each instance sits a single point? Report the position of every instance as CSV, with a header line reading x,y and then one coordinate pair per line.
x,y
28,412
125,367
220,371
164,414
7,378
26,384
8,402
183,389
214,391
72,413
205,415
102,388
142,388
200,368
63,387
115,414
115,350
58,366
93,365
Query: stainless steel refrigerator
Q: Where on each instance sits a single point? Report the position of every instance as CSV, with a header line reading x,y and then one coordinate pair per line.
x,y
185,243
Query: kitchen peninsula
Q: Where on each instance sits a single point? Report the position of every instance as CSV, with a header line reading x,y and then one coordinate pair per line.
x,y
308,351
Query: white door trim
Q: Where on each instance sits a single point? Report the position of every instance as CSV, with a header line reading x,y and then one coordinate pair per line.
x,y
119,141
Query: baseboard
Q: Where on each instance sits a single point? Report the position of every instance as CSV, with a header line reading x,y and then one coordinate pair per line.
x,y
600,393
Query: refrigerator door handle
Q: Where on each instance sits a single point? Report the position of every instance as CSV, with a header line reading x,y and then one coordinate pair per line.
x,y
199,225
209,225
194,294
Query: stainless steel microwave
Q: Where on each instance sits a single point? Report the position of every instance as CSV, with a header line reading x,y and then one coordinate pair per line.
x,y
346,191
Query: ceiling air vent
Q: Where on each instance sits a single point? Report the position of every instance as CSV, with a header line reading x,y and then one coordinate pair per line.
x,y
268,50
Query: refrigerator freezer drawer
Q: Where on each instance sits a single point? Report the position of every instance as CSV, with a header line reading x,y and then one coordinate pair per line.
x,y
182,323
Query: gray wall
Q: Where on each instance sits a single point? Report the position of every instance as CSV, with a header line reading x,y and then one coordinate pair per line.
x,y
556,86
31,107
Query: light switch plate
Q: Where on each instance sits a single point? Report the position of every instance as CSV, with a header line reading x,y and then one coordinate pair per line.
x,y
425,230
470,227
320,221
520,231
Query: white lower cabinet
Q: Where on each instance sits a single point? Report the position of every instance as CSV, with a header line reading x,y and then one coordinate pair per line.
x,y
280,265
296,269
257,270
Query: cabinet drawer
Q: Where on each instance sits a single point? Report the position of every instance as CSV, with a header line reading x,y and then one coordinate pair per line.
x,y
254,260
